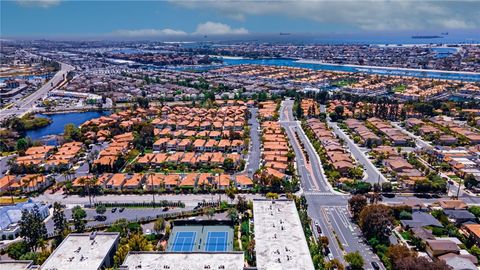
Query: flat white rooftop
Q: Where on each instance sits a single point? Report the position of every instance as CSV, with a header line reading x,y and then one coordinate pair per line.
x,y
279,239
184,260
79,251
15,265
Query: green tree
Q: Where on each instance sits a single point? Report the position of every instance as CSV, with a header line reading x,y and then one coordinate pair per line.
x,y
135,242
233,214
230,193
22,145
32,228
71,133
59,222
242,204
356,204
159,225
376,220
100,209
16,249
339,110
210,212
355,260
78,216
474,209
334,265
387,187
228,164
470,181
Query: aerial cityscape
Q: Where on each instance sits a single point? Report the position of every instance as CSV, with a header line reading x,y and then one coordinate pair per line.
x,y
239,135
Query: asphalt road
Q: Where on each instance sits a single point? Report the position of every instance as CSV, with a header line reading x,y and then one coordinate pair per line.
x,y
254,152
4,164
310,169
373,175
27,104
189,200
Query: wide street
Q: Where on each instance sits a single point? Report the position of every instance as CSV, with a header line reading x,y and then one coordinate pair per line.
x,y
26,105
188,199
309,168
326,206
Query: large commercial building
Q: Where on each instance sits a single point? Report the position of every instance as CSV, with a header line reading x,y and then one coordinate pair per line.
x,y
279,239
184,260
84,251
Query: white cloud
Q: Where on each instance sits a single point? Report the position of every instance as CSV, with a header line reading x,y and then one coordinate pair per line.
x,y
38,3
149,32
215,28
357,14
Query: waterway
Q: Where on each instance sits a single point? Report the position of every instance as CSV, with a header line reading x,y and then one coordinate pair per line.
x,y
59,121
474,77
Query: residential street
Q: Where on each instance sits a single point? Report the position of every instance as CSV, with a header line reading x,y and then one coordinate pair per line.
x,y
253,162
372,174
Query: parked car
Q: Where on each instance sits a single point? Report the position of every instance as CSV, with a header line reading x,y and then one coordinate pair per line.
x,y
375,266
100,218
121,209
114,210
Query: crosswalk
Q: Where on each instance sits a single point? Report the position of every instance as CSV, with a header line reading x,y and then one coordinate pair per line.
x,y
319,193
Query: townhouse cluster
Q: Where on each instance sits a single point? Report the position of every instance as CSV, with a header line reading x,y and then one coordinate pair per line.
x,y
394,135
50,157
367,137
120,146
426,130
198,137
338,157
155,182
268,110
404,172
225,119
460,130
26,183
275,150
310,107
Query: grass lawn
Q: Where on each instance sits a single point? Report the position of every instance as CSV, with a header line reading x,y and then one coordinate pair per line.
x,y
8,200
399,88
406,235
343,83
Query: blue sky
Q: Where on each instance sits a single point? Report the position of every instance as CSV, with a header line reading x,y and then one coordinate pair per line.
x,y
50,18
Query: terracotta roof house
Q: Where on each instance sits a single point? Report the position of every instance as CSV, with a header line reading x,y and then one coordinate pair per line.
x,y
243,182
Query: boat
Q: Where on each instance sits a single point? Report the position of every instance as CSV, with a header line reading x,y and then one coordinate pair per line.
x,y
284,34
426,37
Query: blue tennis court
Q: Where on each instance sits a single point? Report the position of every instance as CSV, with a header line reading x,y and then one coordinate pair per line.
x,y
216,241
184,241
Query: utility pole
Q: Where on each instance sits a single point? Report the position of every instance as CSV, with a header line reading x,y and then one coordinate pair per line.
x,y
153,193
458,190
